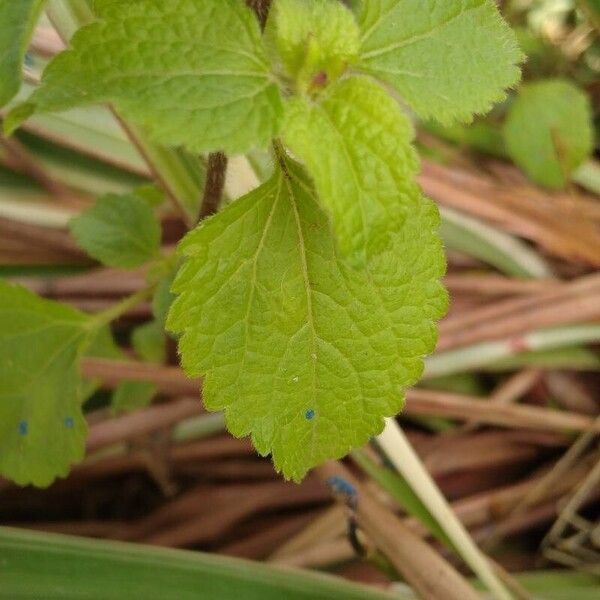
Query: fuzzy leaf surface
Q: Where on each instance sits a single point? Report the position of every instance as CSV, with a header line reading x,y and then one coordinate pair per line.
x,y
301,351
42,428
448,59
17,20
356,143
192,73
314,37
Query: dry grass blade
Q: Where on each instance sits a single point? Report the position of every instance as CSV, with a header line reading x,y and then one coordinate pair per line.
x,y
444,404
562,231
409,554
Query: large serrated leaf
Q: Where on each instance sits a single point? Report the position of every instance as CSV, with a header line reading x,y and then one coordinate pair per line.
x,y
448,59
356,143
304,353
17,20
42,429
193,73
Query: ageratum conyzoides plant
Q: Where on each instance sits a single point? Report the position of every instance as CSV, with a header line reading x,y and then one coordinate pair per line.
x,y
307,305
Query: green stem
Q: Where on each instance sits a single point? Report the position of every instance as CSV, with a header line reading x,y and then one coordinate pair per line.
x,y
120,308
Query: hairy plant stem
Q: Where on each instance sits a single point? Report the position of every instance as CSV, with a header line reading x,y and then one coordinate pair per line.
x,y
261,8
214,185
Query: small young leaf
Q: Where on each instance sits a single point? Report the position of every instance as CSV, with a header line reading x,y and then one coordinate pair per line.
x,y
315,40
42,429
449,60
132,395
151,194
301,351
356,143
192,73
118,230
148,340
17,20
549,132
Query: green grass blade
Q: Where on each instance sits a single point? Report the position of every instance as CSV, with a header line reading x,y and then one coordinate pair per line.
x,y
54,567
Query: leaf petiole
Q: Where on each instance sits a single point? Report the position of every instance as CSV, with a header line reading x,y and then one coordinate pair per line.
x,y
105,317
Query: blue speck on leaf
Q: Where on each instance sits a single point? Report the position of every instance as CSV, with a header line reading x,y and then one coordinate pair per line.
x,y
310,414
23,428
69,423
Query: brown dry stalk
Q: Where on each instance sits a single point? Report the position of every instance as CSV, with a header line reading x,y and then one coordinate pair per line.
x,y
409,554
19,159
225,508
479,512
576,302
511,306
98,282
141,422
562,232
258,545
40,237
169,380
495,285
444,404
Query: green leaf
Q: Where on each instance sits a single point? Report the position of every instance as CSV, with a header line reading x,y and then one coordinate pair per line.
x,y
192,73
17,21
315,41
154,196
41,565
549,131
148,340
449,60
132,395
119,231
42,429
163,298
356,143
301,351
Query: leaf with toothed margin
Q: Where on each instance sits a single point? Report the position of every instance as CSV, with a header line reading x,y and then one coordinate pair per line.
x,y
448,59
193,73
301,351
356,143
42,428
17,21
